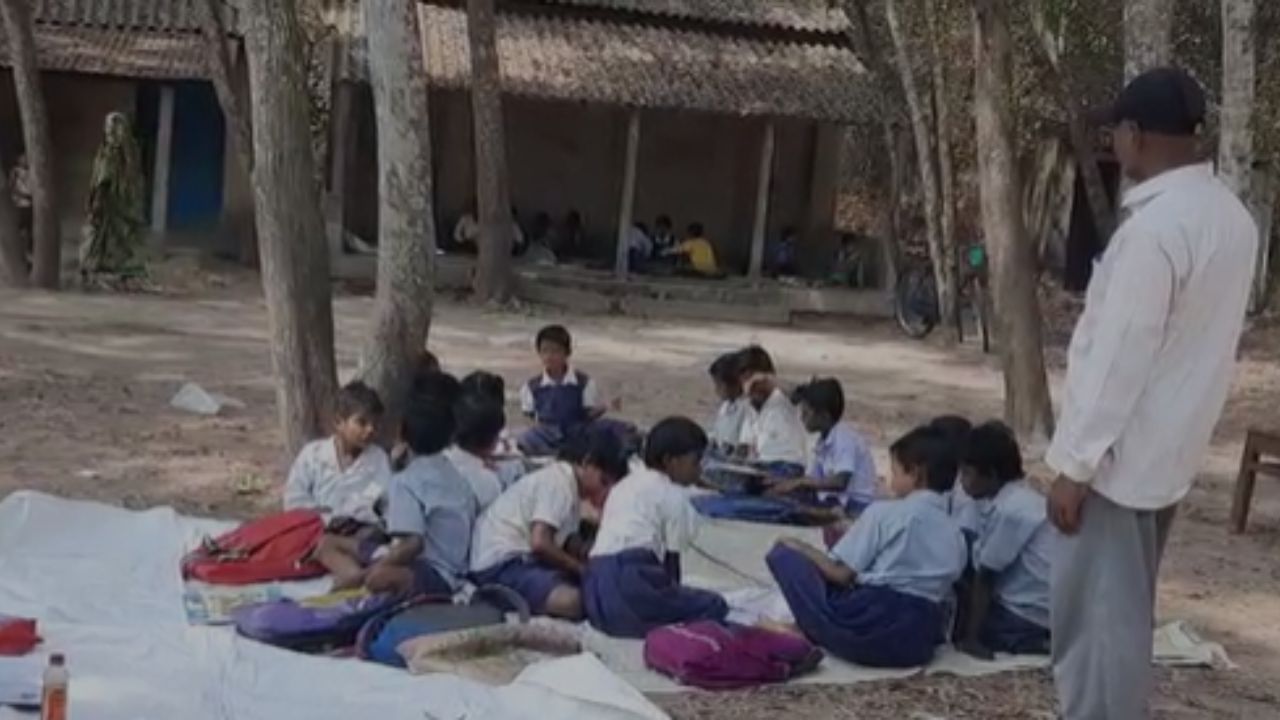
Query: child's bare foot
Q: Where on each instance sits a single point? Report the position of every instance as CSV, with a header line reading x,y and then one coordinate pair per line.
x,y
781,627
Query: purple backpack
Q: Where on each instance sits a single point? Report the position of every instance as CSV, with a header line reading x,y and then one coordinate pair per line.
x,y
723,656
320,624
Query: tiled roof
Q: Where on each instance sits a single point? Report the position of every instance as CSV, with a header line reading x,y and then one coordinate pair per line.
x,y
111,51
127,38
815,15
587,60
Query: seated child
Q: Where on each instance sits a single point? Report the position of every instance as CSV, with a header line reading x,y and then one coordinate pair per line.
x,y
966,510
726,431
430,510
562,401
877,599
344,475
527,539
505,458
772,430
632,584
1009,606
842,472
480,424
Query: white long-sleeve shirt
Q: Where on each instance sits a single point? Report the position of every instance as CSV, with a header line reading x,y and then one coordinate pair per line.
x,y
1152,357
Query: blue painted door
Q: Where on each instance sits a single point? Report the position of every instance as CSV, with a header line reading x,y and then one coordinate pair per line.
x,y
195,171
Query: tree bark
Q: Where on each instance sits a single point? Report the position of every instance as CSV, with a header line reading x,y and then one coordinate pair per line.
x,y
493,266
1101,209
1239,73
46,266
1148,35
13,256
943,272
219,65
406,229
295,260
946,160
1017,310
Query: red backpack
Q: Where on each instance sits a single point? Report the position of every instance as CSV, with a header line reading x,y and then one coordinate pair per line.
x,y
276,547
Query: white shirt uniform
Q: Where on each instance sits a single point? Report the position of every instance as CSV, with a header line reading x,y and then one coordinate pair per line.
x,y
484,481
730,416
549,496
590,393
1151,360
317,481
775,432
646,510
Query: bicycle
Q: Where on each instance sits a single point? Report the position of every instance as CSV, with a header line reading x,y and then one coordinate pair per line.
x,y
916,297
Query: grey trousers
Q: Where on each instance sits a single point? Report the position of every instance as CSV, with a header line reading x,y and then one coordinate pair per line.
x,y
1102,606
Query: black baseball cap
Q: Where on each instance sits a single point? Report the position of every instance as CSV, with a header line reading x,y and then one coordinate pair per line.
x,y
1163,100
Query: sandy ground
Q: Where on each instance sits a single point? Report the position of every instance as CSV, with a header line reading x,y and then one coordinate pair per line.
x,y
85,382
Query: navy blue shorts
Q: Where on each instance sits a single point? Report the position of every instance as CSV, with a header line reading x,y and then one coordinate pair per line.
x,y
426,579
528,578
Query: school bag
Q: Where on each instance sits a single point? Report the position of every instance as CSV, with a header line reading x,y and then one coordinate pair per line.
x,y
275,547
725,656
383,634
321,624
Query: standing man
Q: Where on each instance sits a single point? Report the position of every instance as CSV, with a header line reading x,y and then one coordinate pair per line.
x,y
1148,372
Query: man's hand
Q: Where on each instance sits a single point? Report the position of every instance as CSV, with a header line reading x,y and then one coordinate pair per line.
x,y
1066,503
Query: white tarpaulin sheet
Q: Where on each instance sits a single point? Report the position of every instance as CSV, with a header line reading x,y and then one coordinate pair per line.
x,y
104,584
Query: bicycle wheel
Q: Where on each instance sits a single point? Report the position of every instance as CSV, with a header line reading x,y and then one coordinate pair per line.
x,y
916,302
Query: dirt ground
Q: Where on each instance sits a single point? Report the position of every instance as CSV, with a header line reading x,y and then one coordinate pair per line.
x,y
85,382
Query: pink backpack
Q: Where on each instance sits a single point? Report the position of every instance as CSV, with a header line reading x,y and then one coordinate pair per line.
x,y
723,656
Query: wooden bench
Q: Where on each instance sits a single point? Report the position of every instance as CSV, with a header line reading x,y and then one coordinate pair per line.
x,y
1258,445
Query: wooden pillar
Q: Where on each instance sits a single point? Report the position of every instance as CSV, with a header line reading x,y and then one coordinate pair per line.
x,y
816,241
627,207
160,174
336,207
763,181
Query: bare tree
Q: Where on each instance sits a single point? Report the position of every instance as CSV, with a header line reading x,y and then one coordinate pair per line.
x,y
295,258
1017,309
1148,35
946,158
1082,143
13,260
943,271
1239,88
46,266
493,266
406,229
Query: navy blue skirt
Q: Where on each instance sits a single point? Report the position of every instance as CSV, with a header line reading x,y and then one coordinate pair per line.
x,y
869,625
631,593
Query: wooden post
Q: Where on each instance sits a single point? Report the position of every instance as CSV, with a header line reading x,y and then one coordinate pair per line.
x,y
160,175
627,207
764,180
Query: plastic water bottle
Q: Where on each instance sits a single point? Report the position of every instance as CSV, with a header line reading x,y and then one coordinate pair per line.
x,y
53,698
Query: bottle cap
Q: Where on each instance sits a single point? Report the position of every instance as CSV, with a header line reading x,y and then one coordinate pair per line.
x,y
57,659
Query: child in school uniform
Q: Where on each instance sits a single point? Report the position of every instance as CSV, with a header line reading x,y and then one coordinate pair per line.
x,y
430,509
1009,603
480,424
632,584
842,471
345,474
505,458
965,509
877,598
562,400
772,430
527,539
726,430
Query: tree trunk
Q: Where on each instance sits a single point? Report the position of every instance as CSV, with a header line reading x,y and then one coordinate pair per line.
x,y
46,266
406,229
493,266
1101,209
946,160
13,257
1017,310
1239,72
219,65
943,272
1148,35
295,259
